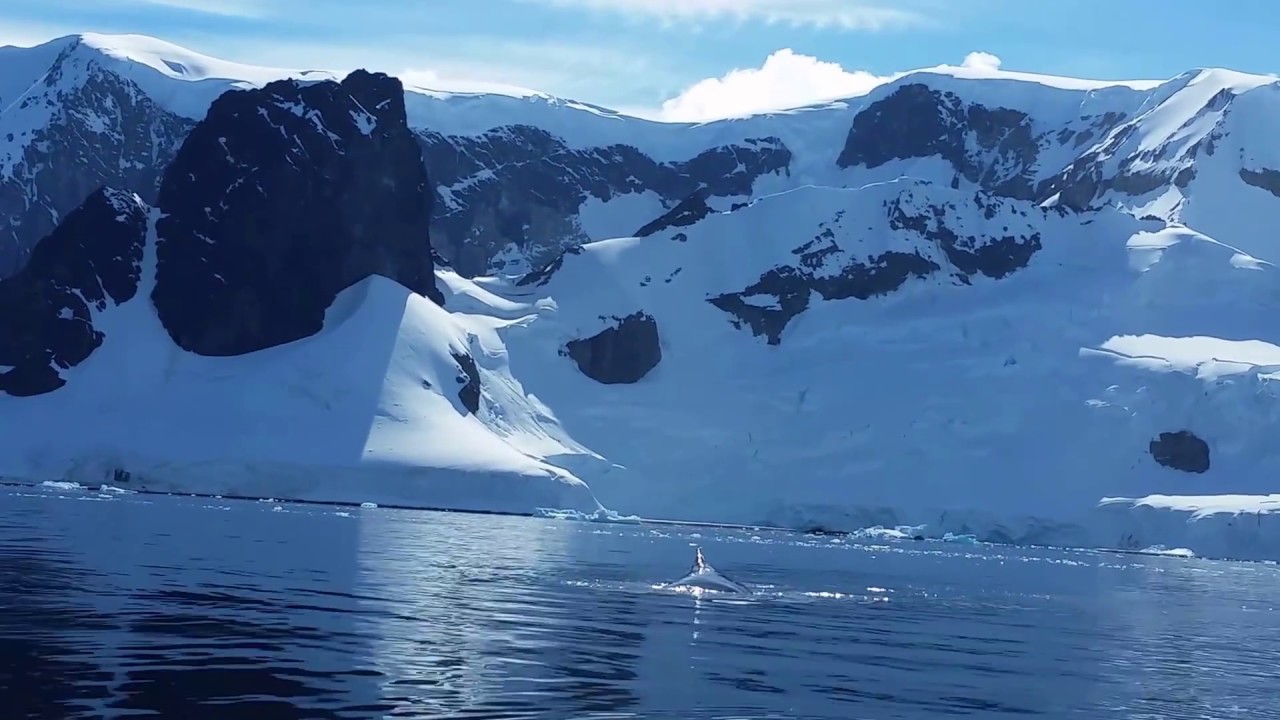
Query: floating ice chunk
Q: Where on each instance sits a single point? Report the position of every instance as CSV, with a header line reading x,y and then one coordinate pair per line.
x,y
1170,552
601,515
883,533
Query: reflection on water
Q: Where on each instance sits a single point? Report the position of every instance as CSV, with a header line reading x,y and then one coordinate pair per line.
x,y
187,608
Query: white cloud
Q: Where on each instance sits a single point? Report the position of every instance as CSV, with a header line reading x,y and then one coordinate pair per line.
x,y
846,14
981,61
247,9
226,8
787,79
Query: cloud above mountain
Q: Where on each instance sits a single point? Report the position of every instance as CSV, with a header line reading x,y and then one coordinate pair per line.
x,y
847,14
786,79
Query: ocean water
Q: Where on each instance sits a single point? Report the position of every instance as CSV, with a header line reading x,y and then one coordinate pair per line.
x,y
116,605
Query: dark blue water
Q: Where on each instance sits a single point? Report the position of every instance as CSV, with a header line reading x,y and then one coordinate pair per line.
x,y
193,608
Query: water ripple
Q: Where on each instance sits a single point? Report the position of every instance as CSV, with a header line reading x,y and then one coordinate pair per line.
x,y
169,608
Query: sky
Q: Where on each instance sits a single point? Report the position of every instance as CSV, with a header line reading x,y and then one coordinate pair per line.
x,y
686,59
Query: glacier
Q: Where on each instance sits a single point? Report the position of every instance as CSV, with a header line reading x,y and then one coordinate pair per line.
x,y
849,343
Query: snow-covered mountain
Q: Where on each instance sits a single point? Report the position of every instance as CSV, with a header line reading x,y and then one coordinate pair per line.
x,y
272,324
1033,309
519,179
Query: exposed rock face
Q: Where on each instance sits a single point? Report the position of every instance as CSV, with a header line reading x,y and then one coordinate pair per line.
x,y
92,260
1181,450
993,147
85,127
281,198
546,272
792,287
685,213
469,379
1266,179
522,187
1000,149
827,270
994,257
1122,162
622,354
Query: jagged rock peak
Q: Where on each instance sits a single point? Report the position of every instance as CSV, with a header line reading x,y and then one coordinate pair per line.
x,y
47,310
281,198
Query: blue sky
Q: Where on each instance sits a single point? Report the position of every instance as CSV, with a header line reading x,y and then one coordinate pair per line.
x,y
636,54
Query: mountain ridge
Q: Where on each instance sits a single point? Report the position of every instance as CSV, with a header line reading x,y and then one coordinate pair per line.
x,y
177,62
489,153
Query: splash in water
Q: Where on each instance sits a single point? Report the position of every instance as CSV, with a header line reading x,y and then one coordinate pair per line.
x,y
702,576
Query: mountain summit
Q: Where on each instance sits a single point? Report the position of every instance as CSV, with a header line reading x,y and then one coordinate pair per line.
x,y
283,197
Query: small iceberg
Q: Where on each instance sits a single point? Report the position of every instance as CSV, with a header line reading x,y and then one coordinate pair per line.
x,y
702,576
601,515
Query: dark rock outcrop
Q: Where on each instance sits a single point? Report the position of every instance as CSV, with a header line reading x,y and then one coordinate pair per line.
x,y
994,257
685,213
97,128
469,380
546,272
91,261
522,186
280,199
1264,179
789,290
1084,182
622,354
1182,450
917,121
828,271
999,149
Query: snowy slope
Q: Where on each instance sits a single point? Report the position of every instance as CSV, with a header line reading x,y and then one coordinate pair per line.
x,y
1199,152
365,411
1016,408
1006,408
